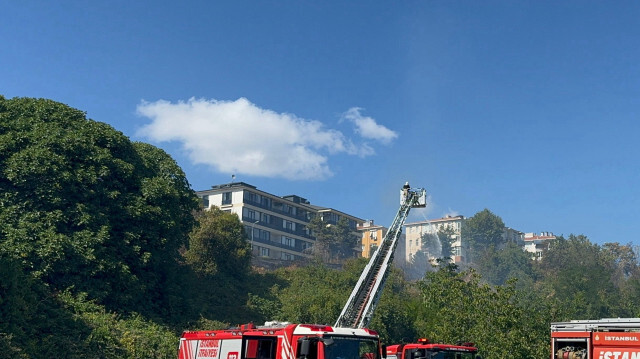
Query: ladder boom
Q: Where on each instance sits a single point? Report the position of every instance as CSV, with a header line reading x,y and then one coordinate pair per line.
x,y
365,295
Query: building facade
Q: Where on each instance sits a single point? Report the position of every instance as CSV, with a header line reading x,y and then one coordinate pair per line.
x,y
422,237
277,225
372,236
537,244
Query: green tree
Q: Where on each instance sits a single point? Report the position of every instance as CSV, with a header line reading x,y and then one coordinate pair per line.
x,y
323,239
497,266
395,316
431,245
436,251
446,236
33,324
313,294
218,245
115,336
83,207
458,307
345,240
334,242
219,254
578,279
483,231
626,275
317,294
623,259
417,266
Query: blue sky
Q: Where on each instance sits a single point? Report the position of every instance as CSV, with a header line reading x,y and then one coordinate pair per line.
x,y
527,108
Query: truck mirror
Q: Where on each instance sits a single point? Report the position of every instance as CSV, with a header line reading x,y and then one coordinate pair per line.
x,y
327,341
304,347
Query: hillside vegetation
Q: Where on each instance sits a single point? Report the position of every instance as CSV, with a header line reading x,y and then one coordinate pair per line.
x,y
104,253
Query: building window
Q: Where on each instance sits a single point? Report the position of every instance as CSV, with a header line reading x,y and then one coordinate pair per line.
x,y
333,218
205,201
226,198
265,218
286,256
287,241
456,251
249,213
289,209
251,197
252,232
264,252
289,225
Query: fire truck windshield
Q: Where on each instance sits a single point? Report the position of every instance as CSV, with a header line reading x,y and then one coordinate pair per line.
x,y
352,348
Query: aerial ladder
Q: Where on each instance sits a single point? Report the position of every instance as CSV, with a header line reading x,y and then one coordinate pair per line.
x,y
365,295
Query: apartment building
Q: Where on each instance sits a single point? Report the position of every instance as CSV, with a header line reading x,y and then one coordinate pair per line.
x,y
372,236
277,225
536,244
431,247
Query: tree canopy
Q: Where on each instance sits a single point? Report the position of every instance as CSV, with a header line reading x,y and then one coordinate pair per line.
x,y
334,242
218,244
459,308
83,207
483,231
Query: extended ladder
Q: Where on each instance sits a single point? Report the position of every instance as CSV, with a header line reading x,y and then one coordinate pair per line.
x,y
365,295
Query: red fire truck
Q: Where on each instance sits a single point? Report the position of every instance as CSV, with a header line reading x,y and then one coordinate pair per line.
x,y
281,341
616,338
425,350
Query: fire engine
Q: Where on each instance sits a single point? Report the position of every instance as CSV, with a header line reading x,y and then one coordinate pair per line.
x,y
614,338
281,341
423,349
347,339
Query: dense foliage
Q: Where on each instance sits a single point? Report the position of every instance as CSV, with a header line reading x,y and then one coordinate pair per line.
x,y
334,242
483,232
85,208
103,254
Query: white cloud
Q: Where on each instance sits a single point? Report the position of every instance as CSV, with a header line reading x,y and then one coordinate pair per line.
x,y
239,137
368,128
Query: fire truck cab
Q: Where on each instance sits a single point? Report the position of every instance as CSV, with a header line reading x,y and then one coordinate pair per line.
x,y
425,350
281,341
615,338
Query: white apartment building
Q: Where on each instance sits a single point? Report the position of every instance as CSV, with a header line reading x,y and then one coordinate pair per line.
x,y
277,225
415,231
536,244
